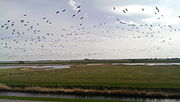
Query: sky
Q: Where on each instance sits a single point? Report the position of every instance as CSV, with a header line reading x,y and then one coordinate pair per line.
x,y
97,29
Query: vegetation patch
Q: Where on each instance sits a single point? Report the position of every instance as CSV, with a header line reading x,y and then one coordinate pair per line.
x,y
119,80
57,99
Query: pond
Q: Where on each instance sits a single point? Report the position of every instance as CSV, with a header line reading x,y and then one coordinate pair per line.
x,y
37,66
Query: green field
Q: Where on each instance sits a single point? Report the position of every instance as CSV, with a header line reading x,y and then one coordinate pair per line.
x,y
95,76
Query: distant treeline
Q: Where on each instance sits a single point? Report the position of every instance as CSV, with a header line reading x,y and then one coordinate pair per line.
x,y
85,61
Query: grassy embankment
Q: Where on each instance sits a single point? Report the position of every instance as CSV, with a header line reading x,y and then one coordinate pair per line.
x,y
100,79
57,99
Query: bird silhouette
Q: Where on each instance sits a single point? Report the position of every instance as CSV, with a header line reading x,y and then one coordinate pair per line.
x,y
78,11
142,9
114,8
57,12
78,7
63,10
73,15
157,9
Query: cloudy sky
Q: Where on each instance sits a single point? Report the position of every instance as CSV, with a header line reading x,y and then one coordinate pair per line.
x,y
101,29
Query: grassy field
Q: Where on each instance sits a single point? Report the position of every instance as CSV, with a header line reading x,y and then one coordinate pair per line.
x,y
95,76
57,99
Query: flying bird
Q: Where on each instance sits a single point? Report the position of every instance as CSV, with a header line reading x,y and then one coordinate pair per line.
x,y
22,21
78,11
78,7
81,17
124,11
157,9
114,8
63,10
57,12
142,9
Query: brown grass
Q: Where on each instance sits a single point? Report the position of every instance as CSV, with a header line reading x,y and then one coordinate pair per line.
x,y
118,92
4,87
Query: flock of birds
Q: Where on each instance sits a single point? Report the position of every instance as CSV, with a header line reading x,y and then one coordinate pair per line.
x,y
29,38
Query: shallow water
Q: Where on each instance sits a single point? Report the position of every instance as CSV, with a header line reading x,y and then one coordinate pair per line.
x,y
23,94
148,64
145,64
35,66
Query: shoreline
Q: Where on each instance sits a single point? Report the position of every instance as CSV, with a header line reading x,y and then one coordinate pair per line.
x,y
123,92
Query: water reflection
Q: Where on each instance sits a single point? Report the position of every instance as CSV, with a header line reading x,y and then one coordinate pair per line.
x,y
23,94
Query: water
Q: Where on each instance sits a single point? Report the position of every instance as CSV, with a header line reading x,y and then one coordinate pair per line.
x,y
148,64
35,66
144,64
23,94
69,66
